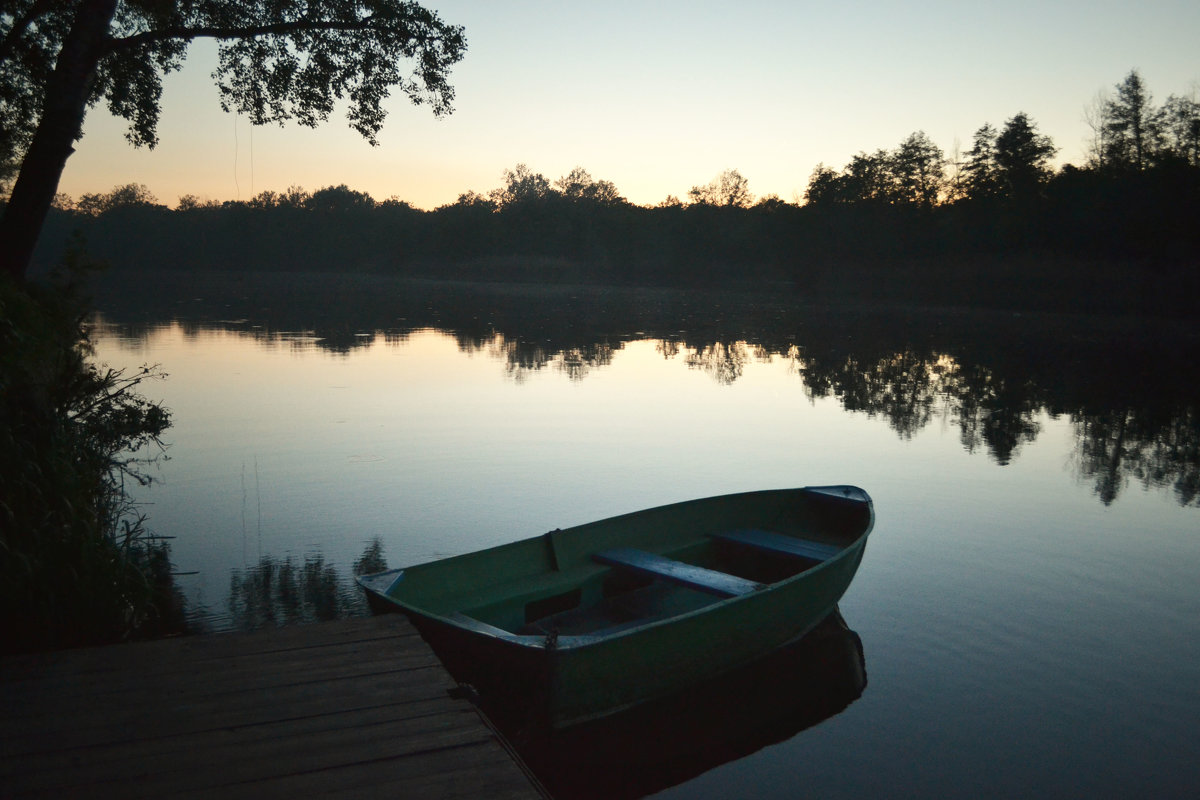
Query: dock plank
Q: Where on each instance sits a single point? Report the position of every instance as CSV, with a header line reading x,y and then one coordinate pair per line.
x,y
343,708
254,673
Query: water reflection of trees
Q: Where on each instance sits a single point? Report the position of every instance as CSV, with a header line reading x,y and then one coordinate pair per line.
x,y
997,414
903,388
1128,389
910,391
1115,448
723,361
577,362
521,359
285,591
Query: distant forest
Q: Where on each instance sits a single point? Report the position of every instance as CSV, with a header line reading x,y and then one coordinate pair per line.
x,y
995,225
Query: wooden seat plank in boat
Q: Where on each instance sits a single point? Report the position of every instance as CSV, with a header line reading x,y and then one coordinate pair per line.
x,y
780,543
689,575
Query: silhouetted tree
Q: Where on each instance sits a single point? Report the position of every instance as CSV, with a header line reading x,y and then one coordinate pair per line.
x,y
131,194
521,185
578,184
340,200
294,197
474,200
1095,115
917,168
1023,158
769,203
870,177
981,170
277,61
1180,129
727,189
867,178
955,183
190,202
1130,124
823,187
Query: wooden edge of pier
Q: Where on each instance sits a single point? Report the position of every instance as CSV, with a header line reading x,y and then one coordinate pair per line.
x,y
356,708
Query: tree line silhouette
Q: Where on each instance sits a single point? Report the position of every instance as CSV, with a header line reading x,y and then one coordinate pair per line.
x,y
994,225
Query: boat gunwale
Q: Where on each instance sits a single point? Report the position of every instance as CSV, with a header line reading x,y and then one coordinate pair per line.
x,y
578,642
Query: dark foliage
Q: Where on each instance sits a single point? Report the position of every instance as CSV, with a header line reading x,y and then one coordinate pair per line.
x,y
1082,239
78,565
998,228
277,61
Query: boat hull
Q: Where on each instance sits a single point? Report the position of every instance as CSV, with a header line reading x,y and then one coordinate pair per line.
x,y
663,743
563,677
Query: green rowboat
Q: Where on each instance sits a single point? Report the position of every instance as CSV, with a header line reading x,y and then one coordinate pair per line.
x,y
586,621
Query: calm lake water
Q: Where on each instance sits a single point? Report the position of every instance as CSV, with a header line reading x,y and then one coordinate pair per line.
x,y
1027,609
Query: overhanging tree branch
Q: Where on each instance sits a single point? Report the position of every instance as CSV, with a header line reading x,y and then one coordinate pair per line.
x,y
183,33
272,66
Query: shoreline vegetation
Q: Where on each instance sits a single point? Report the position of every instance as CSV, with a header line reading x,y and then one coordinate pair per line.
x,y
940,256
993,227
79,564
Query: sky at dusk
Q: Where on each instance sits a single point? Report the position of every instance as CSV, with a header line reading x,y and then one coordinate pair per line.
x,y
660,96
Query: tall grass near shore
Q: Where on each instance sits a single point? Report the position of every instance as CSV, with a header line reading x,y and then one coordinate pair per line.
x,y
77,563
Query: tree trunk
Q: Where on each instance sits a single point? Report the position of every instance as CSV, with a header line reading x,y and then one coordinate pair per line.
x,y
63,110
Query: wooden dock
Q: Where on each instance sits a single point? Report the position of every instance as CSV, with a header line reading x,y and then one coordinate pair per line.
x,y
355,708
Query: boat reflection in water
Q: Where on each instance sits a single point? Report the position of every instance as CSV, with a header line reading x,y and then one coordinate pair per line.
x,y
669,741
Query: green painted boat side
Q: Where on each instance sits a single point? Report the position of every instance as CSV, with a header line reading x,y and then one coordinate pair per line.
x,y
666,742
543,620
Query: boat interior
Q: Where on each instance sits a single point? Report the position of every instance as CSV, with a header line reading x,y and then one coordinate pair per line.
x,y
623,587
